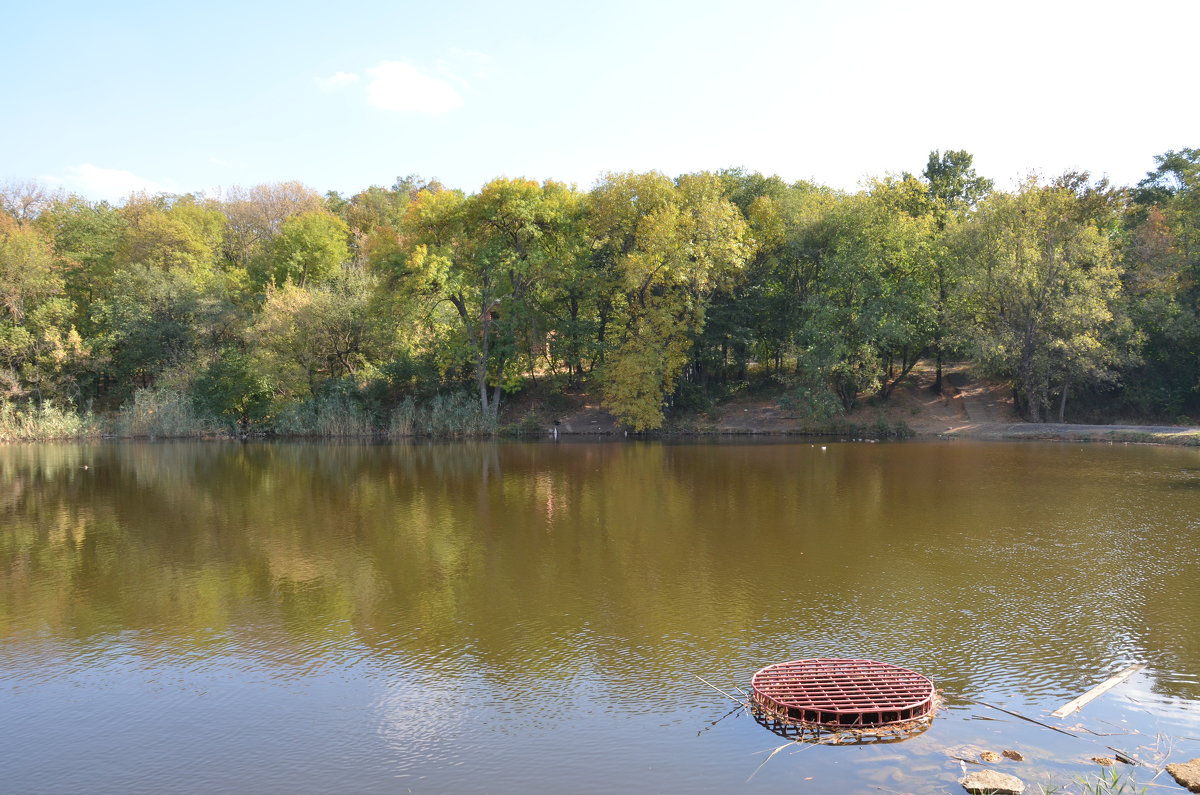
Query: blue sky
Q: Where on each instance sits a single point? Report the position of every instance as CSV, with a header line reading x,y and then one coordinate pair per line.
x,y
102,98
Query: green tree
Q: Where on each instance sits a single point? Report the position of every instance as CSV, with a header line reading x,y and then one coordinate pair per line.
x,y
1163,281
86,237
784,272
308,335
310,247
872,296
735,318
1043,294
156,321
374,217
28,271
164,233
576,306
487,255
955,189
953,182
233,388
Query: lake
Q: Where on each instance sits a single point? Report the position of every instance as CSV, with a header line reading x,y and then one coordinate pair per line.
x,y
507,617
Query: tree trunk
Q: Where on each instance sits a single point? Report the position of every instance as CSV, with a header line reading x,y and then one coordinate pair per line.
x,y
943,294
495,407
1033,407
575,358
906,367
481,380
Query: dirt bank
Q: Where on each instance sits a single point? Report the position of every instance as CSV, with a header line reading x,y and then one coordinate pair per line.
x,y
966,408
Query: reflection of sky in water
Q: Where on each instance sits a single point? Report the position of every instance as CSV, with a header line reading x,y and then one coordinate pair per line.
x,y
1168,714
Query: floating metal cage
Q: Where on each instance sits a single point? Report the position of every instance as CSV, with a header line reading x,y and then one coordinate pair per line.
x,y
842,694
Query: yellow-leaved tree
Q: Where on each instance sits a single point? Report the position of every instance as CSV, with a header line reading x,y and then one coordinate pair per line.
x,y
672,244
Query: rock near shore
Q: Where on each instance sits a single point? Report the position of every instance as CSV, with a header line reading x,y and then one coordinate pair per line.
x,y
1187,774
992,782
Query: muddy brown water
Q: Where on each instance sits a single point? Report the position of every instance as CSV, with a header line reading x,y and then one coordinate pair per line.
x,y
509,617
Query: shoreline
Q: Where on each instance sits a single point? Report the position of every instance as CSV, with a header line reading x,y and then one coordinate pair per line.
x,y
1178,435
1181,435
1174,435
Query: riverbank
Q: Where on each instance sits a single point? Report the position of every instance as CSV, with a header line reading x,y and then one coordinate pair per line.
x,y
1188,436
966,408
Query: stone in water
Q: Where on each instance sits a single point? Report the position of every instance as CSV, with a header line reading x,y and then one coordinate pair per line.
x,y
1187,774
993,782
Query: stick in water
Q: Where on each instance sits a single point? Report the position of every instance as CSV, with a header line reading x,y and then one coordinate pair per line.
x,y
719,690
1019,715
1096,692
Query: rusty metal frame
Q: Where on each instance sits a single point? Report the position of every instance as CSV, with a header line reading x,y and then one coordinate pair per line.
x,y
842,693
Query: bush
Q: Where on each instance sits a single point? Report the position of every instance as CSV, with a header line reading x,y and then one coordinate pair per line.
x,y
231,389
333,414
810,398
32,423
162,412
455,414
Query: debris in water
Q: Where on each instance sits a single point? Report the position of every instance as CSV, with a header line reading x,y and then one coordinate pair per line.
x,y
964,753
1079,703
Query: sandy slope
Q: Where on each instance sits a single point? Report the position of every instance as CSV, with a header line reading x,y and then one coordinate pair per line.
x,y
963,408
966,408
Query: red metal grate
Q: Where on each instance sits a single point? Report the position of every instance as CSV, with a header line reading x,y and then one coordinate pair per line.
x,y
847,693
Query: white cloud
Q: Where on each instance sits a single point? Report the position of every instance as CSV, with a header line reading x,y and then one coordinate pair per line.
x,y
109,183
397,86
335,81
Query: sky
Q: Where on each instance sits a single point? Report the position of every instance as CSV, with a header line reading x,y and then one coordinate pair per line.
x,y
104,98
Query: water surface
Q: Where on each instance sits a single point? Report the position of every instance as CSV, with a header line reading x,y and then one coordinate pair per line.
x,y
504,617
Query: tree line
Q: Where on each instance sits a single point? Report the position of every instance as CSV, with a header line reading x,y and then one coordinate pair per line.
x,y
658,294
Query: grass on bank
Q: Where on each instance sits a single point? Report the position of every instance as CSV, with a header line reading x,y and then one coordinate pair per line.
x,y
326,416
1110,782
161,413
165,413
453,414
34,423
